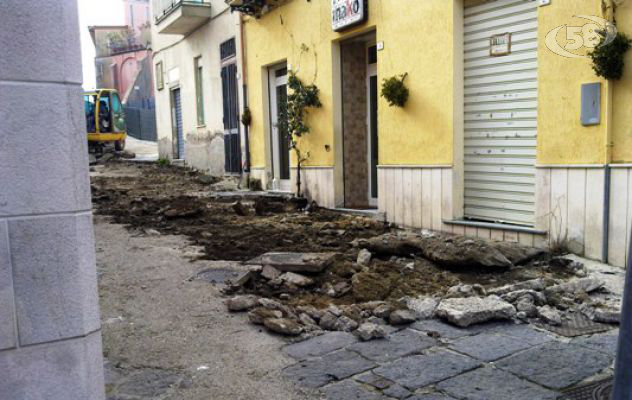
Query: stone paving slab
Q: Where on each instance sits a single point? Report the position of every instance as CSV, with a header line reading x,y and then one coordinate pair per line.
x,y
433,396
492,384
374,380
605,343
350,390
414,372
523,332
556,365
489,346
316,372
320,345
396,345
443,329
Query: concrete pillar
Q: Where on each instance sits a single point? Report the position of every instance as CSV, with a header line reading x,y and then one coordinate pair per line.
x,y
50,340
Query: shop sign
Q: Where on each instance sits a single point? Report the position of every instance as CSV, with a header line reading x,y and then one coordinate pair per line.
x,y
348,13
500,45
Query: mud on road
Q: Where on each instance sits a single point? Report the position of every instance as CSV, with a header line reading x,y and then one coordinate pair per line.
x,y
173,200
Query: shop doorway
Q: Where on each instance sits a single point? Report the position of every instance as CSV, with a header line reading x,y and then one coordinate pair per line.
x,y
359,121
280,142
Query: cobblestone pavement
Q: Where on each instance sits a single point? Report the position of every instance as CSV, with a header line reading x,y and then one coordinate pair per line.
x,y
431,360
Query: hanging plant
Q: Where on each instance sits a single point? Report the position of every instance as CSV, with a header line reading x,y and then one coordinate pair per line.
x,y
292,117
608,60
246,116
394,90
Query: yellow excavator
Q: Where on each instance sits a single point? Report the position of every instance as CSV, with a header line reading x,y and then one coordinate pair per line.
x,y
105,120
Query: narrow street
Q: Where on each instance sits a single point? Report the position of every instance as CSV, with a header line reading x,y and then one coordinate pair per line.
x,y
161,233
167,336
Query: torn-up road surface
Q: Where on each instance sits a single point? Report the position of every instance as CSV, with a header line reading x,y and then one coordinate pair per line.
x,y
362,300
168,337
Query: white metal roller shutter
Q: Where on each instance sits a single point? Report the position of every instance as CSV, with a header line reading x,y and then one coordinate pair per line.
x,y
501,112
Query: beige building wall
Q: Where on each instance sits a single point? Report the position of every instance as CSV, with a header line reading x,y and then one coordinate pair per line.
x,y
204,144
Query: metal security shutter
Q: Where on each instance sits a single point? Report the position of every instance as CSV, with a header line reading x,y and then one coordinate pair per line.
x,y
501,113
178,123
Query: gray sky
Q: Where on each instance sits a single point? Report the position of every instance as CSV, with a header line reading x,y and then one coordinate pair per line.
x,y
96,12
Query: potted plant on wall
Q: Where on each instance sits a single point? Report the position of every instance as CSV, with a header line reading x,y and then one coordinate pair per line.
x,y
395,91
608,60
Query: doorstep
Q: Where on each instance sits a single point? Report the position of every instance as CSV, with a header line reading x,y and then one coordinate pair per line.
x,y
369,212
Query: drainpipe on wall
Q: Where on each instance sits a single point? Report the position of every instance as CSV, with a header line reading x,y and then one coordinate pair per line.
x,y
607,173
608,7
244,75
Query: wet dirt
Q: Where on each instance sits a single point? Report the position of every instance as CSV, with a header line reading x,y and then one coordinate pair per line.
x,y
173,200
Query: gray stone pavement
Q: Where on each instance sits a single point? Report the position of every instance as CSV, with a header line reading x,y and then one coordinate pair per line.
x,y
431,360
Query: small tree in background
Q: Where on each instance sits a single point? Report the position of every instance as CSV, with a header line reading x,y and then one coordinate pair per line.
x,y
292,117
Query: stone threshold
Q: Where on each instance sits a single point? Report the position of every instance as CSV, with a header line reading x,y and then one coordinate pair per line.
x,y
493,225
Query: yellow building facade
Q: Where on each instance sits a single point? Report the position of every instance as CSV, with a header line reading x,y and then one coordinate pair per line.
x,y
491,141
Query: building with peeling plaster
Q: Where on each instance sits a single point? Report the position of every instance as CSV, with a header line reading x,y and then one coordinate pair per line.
x,y
197,69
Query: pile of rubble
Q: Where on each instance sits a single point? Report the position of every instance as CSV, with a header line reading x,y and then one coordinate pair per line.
x,y
271,289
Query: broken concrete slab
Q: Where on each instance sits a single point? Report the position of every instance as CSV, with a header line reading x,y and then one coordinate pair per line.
x,y
422,307
474,310
492,384
242,303
516,253
296,279
402,317
549,315
295,262
364,258
444,250
283,326
415,372
538,284
270,273
369,331
586,285
459,291
258,315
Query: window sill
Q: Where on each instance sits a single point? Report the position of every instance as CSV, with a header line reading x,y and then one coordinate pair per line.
x,y
492,225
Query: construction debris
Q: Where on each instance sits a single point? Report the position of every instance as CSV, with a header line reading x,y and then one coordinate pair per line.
x,y
464,312
303,269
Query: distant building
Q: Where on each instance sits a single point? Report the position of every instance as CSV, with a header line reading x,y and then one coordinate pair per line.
x,y
123,62
197,64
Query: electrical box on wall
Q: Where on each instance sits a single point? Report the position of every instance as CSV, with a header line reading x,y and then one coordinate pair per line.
x,y
591,104
544,2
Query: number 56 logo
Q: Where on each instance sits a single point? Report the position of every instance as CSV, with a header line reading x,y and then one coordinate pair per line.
x,y
589,35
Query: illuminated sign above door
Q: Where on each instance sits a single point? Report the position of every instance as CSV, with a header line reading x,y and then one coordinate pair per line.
x,y
348,13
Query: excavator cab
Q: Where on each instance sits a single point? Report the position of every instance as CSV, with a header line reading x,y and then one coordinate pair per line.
x,y
105,119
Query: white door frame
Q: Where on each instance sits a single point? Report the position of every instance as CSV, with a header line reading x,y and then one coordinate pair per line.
x,y
274,82
371,71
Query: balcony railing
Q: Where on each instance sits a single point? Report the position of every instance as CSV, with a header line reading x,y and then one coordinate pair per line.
x,y
181,16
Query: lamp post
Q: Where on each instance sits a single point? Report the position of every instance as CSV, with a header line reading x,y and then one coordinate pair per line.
x,y
623,366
